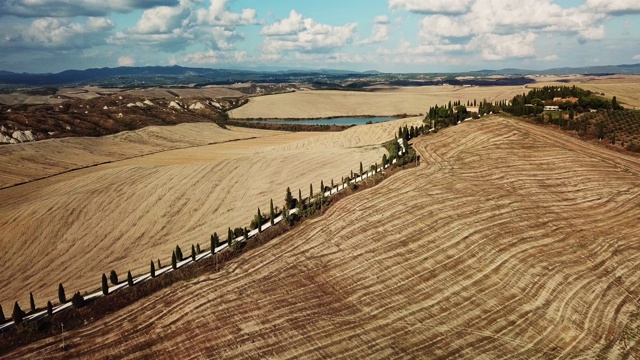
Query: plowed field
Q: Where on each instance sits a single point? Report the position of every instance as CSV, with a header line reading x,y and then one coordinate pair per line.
x,y
73,227
509,241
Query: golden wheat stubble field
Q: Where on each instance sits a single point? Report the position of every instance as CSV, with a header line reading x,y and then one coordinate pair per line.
x,y
73,227
382,102
508,241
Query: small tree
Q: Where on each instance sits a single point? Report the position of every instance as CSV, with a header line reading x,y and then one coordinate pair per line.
x,y
272,214
18,314
178,253
332,186
159,264
245,234
49,308
288,199
113,276
361,169
153,270
310,192
32,302
259,221
321,189
105,284
174,263
77,300
193,253
129,279
214,242
61,296
229,237
198,248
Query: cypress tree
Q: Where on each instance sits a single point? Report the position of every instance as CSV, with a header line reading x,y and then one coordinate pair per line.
x,y
178,253
198,249
229,237
114,277
193,253
321,188
361,169
153,270
272,214
61,296
77,300
332,184
18,314
245,234
32,302
288,199
49,308
105,284
2,318
300,198
214,242
174,263
259,220
159,264
129,279
310,192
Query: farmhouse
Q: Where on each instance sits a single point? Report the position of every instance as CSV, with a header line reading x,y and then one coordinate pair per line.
x,y
551,108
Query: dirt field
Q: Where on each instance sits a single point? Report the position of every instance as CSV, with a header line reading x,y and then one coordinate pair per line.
x,y
73,227
509,241
383,102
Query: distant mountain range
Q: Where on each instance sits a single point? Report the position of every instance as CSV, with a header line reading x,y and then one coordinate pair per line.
x,y
178,75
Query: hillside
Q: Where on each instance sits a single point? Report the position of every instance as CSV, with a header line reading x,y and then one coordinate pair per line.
x,y
510,240
73,227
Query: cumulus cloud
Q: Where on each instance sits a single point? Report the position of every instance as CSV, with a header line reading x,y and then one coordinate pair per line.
x,y
500,47
379,31
636,57
502,29
172,28
613,7
432,6
70,8
126,61
300,34
289,26
58,34
218,14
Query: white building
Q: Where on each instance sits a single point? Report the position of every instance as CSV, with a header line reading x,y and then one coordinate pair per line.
x,y
551,108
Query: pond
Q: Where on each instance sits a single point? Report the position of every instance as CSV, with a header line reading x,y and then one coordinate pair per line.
x,y
332,121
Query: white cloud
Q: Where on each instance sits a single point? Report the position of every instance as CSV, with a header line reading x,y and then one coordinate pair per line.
x,y
432,6
379,31
212,57
614,7
636,57
218,14
162,19
70,8
126,61
552,57
175,28
289,26
381,19
500,47
58,34
299,34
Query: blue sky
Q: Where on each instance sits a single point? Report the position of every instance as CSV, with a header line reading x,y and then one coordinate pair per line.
x,y
385,35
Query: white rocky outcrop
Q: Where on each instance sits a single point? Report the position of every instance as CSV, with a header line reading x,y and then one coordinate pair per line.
x,y
19,135
29,135
148,102
13,141
215,104
5,139
105,107
197,106
175,105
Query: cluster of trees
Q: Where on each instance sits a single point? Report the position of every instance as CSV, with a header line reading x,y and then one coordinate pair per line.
x,y
533,102
448,115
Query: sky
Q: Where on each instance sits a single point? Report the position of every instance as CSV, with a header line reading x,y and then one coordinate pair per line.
x,y
41,36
